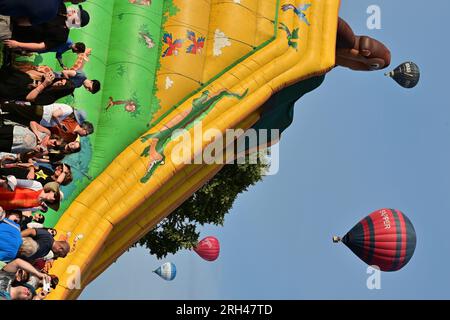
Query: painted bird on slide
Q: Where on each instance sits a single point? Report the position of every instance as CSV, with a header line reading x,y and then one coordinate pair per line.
x,y
299,11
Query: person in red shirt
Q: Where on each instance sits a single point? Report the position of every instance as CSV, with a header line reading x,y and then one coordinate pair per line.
x,y
18,194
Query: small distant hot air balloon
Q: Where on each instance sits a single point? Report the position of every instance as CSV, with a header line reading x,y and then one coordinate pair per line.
x,y
208,248
407,75
386,239
167,271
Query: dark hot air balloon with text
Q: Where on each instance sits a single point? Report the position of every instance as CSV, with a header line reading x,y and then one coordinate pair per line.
x,y
386,238
407,75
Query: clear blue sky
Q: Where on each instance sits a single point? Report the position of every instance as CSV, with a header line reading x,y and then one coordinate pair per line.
x,y
358,143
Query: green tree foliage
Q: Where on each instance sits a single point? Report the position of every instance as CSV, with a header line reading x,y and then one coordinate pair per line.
x,y
170,7
208,205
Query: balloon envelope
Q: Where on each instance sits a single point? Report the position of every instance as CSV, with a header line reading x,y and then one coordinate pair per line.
x,y
208,248
386,239
407,75
167,271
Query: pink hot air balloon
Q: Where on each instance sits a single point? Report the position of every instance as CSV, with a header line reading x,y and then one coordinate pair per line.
x,y
208,248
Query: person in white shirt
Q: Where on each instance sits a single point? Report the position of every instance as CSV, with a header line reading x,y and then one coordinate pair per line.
x,y
21,139
47,116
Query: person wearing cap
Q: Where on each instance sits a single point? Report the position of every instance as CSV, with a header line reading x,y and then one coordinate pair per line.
x,y
48,35
46,244
32,12
30,195
18,291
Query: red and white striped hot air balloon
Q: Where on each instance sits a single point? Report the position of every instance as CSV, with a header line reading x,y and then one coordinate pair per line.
x,y
208,248
386,238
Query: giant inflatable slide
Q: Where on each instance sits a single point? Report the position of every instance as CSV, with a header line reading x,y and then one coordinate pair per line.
x,y
167,65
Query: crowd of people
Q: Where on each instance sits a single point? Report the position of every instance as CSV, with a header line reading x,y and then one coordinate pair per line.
x,y
36,133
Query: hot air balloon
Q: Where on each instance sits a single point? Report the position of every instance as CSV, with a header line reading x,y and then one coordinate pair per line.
x,y
386,239
167,271
407,75
208,248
